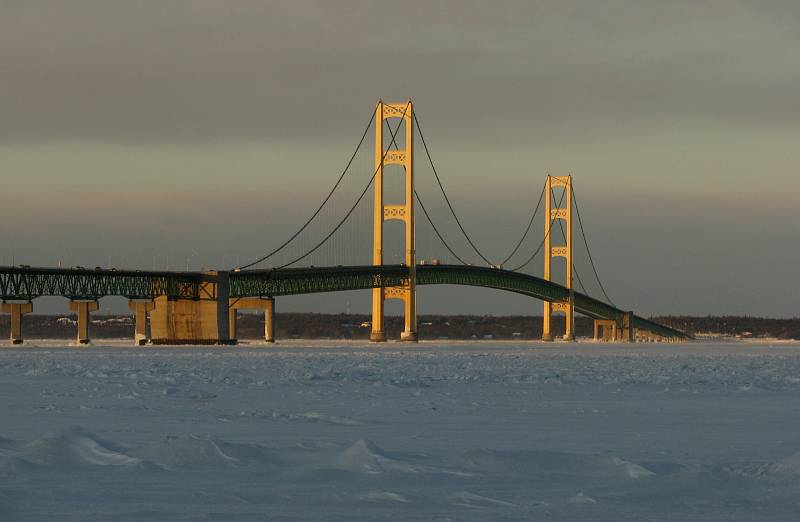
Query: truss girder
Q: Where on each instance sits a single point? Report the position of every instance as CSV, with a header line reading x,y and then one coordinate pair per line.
x,y
24,284
295,281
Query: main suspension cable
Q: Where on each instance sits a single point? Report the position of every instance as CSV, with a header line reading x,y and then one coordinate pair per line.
x,y
533,215
425,211
580,282
588,251
441,187
324,202
428,216
349,212
541,243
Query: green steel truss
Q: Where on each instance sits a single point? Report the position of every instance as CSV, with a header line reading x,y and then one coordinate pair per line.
x,y
18,284
294,281
24,284
330,279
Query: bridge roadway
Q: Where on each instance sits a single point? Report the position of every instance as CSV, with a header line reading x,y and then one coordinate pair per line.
x,y
27,283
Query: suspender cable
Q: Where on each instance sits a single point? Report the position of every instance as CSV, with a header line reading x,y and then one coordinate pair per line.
x,y
541,243
436,230
580,282
349,212
428,217
585,242
528,229
453,212
324,202
439,181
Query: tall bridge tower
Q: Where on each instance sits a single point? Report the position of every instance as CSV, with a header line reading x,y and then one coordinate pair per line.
x,y
562,211
385,155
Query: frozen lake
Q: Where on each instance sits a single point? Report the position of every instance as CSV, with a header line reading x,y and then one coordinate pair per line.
x,y
472,431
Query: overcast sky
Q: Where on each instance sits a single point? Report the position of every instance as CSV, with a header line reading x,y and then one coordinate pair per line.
x,y
200,129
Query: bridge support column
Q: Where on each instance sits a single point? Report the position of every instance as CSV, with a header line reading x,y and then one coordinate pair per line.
x,y
626,332
378,332
221,281
644,336
232,318
269,317
561,211
17,310
253,303
605,330
404,157
141,309
83,309
569,320
204,319
547,318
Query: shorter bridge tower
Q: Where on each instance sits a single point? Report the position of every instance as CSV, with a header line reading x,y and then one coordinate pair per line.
x,y
562,210
407,292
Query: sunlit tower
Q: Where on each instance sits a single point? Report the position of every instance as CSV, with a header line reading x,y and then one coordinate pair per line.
x,y
385,155
561,211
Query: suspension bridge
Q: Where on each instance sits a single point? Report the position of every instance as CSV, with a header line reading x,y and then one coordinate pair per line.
x,y
327,254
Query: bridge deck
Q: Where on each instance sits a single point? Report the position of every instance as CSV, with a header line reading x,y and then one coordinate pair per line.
x,y
26,283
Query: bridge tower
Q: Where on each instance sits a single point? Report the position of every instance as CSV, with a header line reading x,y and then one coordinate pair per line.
x,y
561,211
404,157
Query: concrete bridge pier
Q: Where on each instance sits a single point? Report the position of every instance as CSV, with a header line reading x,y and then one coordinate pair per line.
x,y
17,310
620,329
644,336
269,316
253,303
605,330
626,332
204,319
83,309
141,309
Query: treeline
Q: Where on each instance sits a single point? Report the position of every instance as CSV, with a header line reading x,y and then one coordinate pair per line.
x,y
356,326
735,326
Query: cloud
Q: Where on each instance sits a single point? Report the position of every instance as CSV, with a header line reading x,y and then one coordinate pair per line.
x,y
159,128
239,70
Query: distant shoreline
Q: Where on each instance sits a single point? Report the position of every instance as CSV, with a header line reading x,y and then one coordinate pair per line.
x,y
316,326
584,346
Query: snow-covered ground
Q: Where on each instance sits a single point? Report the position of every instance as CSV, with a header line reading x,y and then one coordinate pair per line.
x,y
435,431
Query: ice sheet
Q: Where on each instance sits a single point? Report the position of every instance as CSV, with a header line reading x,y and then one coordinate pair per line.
x,y
435,431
